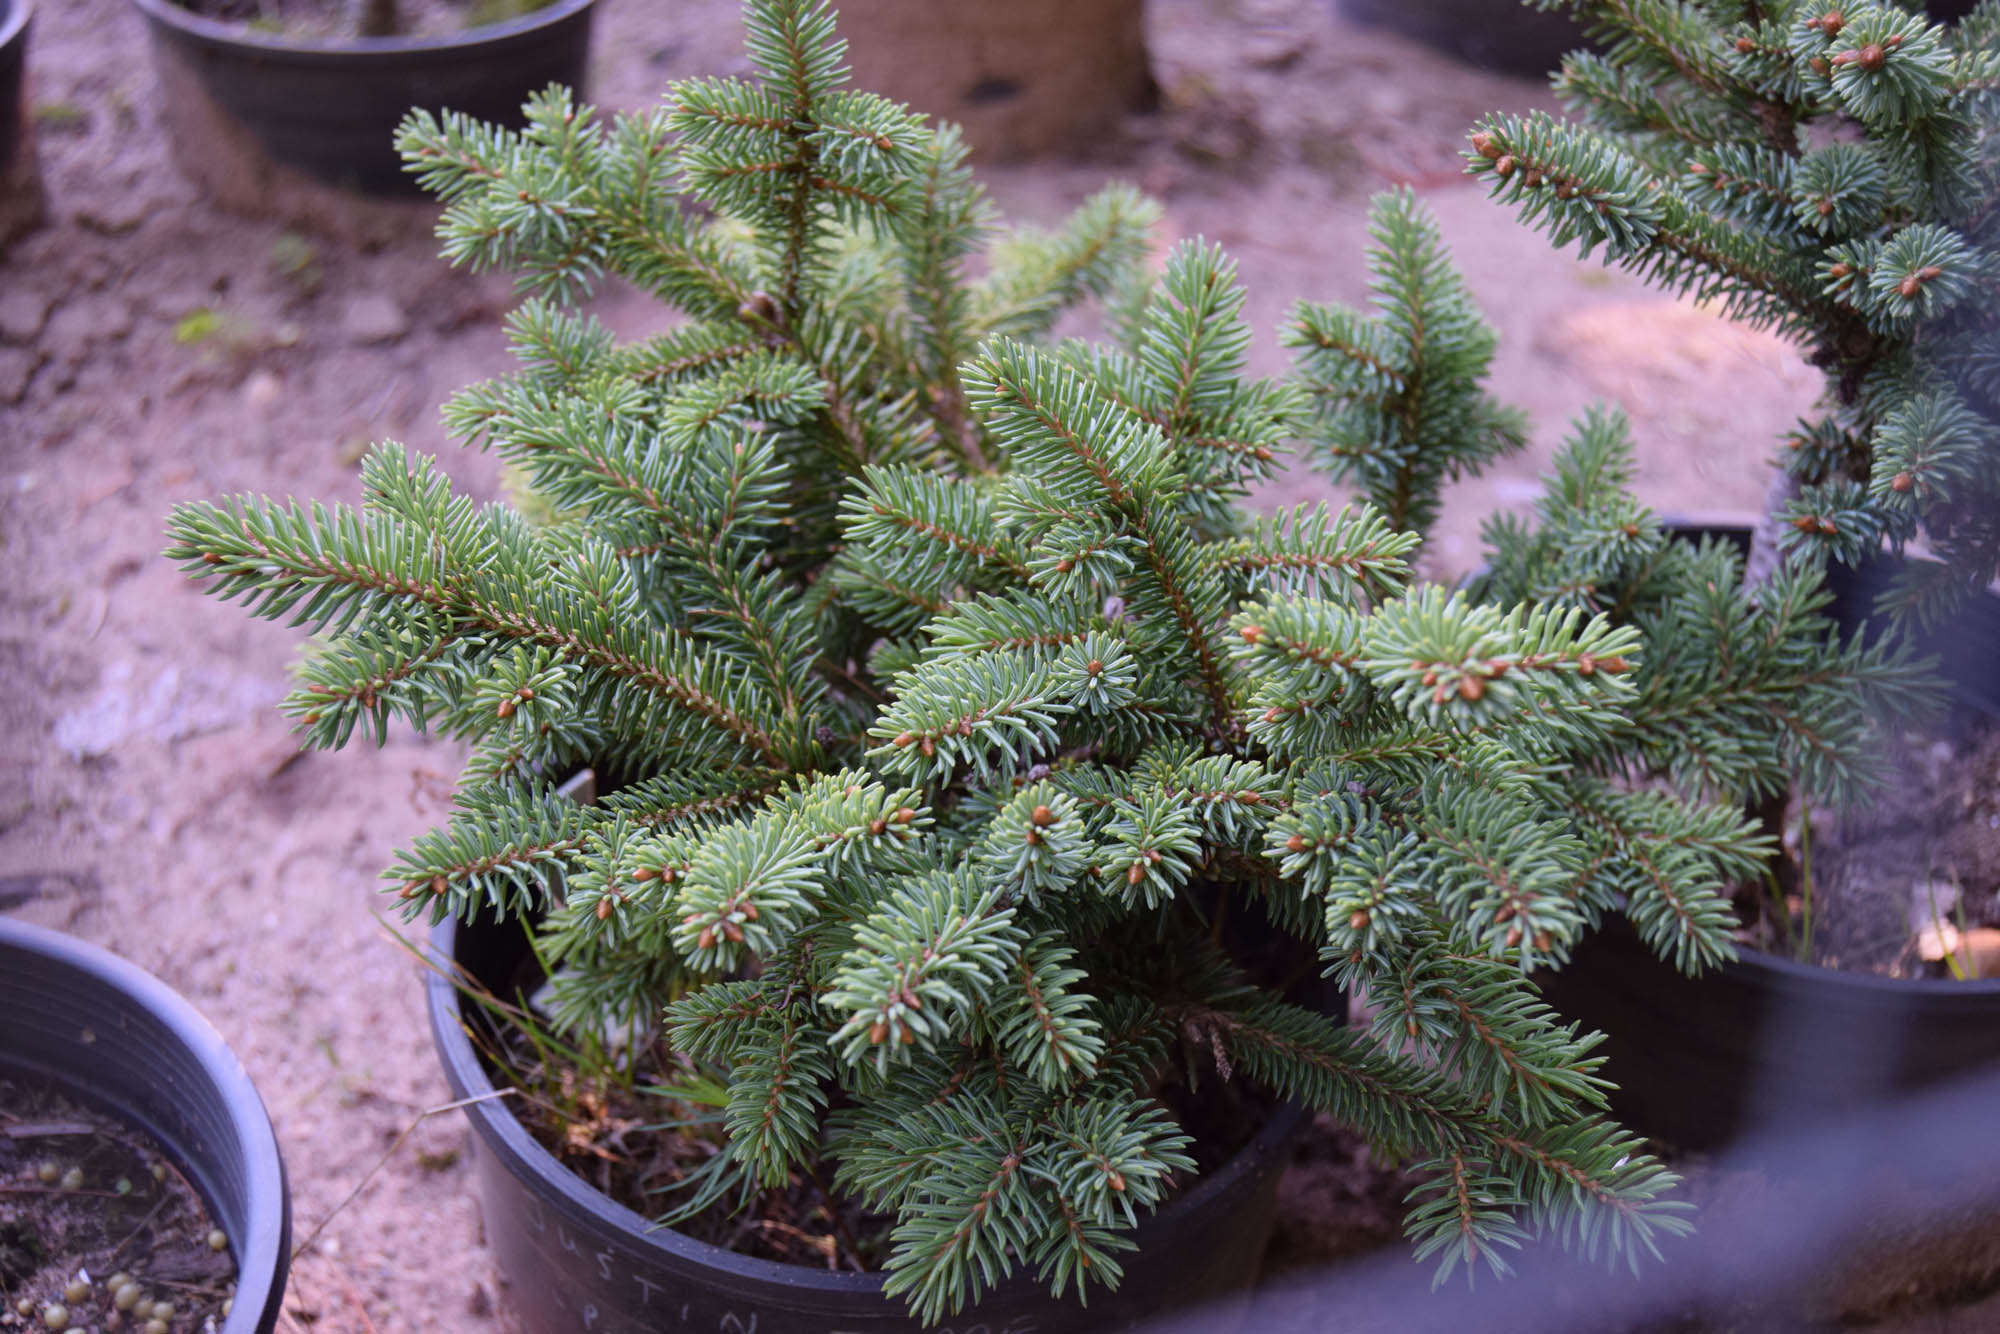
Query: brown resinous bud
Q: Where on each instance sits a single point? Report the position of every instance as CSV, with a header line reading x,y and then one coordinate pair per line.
x,y
1914,283
1486,146
1043,816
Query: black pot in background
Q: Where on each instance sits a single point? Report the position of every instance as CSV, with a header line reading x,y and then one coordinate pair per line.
x,y
22,207
1508,35
14,120
112,1035
1763,1043
331,109
574,1260
1966,643
1503,35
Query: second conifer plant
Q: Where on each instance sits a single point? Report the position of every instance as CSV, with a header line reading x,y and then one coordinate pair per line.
x,y
959,712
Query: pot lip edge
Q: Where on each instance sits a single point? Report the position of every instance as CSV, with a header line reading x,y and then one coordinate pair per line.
x,y
1755,965
1754,959
267,1251
500,1130
213,32
14,26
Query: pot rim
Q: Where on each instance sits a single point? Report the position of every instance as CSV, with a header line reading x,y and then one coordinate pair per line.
x,y
14,16
1813,976
264,1256
214,32
504,1135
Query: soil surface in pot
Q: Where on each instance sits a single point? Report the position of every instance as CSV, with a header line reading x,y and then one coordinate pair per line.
x,y
1907,883
335,20
86,1201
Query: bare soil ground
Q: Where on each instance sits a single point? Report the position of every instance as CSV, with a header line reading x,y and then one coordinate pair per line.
x,y
154,350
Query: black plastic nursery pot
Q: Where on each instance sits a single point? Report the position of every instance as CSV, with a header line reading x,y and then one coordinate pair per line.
x,y
1765,1042
331,109
13,80
573,1260
22,205
112,1035
1508,35
1503,35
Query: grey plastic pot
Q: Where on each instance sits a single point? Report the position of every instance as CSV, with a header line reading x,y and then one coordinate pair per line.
x,y
331,109
112,1035
573,1260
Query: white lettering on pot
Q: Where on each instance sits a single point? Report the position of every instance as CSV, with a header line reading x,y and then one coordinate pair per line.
x,y
604,1265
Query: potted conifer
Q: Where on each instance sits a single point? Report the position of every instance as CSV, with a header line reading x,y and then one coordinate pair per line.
x,y
1827,170
972,758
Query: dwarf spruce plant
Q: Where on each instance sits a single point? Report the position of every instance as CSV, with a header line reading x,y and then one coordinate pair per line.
x,y
1826,169
958,715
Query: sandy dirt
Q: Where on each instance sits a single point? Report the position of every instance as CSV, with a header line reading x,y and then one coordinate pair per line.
x,y
154,350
